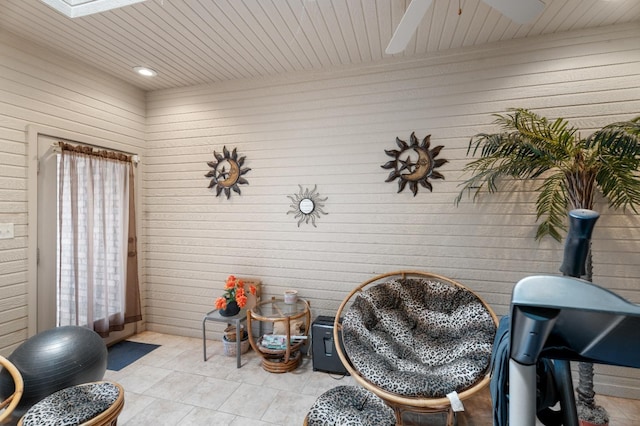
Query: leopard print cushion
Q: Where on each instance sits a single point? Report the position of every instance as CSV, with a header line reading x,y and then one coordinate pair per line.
x,y
419,337
73,405
350,406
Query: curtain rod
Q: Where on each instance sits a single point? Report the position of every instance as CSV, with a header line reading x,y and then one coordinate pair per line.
x,y
135,158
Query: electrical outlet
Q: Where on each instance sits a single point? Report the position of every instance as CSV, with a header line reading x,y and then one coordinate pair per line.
x,y
6,231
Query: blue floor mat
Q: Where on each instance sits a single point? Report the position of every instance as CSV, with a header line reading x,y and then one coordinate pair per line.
x,y
124,353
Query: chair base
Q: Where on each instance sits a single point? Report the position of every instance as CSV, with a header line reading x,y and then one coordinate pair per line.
x,y
279,365
400,410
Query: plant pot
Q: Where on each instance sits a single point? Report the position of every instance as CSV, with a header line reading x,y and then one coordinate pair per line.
x,y
231,309
593,415
230,348
588,423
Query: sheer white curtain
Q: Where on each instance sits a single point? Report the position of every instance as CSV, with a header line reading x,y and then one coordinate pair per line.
x,y
93,225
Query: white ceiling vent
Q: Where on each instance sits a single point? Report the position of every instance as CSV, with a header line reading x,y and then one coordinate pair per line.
x,y
78,8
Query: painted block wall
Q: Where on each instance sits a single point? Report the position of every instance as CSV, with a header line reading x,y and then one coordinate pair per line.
x,y
327,129
39,87
331,129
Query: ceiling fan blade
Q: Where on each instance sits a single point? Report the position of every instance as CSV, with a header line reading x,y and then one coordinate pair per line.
x,y
520,11
407,26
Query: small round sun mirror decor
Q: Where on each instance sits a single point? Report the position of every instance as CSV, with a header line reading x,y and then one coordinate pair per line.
x,y
227,172
307,205
414,163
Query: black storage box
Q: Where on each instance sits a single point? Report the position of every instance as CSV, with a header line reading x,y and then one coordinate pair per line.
x,y
325,357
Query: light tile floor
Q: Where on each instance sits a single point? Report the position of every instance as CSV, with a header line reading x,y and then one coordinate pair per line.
x,y
173,386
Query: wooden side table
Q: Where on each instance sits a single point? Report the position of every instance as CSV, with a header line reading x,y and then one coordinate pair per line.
x,y
273,311
215,316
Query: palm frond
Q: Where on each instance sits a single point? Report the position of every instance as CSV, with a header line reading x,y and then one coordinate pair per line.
x,y
632,126
618,180
529,145
546,136
620,139
508,154
618,147
552,206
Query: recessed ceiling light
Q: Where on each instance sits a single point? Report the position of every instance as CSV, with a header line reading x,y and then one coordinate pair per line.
x,y
78,8
147,72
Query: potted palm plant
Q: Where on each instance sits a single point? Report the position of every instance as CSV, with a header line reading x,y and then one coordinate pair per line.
x,y
571,171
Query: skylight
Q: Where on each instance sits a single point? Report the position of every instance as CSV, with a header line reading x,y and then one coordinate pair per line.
x,y
78,8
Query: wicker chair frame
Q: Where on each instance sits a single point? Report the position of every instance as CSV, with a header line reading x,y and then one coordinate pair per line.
x,y
108,417
399,403
12,401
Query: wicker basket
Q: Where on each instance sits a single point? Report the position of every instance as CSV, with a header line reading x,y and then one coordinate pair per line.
x,y
230,347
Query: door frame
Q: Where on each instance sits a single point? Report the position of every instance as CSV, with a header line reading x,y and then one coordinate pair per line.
x,y
75,135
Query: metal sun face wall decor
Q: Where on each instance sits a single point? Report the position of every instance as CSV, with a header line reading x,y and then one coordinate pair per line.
x,y
223,179
307,205
418,166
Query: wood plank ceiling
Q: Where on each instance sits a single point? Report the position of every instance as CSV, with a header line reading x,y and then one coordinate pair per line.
x,y
192,42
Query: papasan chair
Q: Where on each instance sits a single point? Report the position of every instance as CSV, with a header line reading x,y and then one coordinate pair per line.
x,y
413,337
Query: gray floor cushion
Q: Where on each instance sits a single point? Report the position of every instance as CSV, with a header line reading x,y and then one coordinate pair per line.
x,y
73,405
350,406
419,337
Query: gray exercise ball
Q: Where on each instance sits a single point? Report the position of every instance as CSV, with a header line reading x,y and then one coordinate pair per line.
x,y
55,359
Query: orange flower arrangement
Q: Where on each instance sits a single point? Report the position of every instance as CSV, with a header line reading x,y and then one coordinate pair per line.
x,y
234,291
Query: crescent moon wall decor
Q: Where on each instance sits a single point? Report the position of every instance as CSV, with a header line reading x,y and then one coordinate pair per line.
x,y
418,165
223,179
307,205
